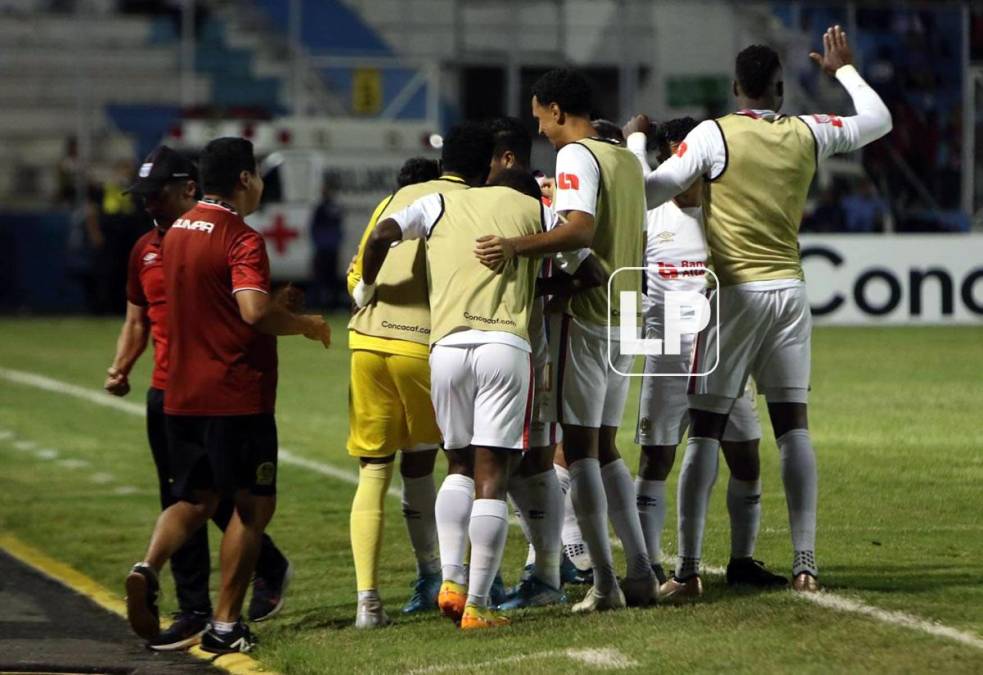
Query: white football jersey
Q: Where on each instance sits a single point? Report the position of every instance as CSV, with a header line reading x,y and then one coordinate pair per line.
x,y
675,255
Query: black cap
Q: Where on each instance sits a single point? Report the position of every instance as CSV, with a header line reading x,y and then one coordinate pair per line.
x,y
162,166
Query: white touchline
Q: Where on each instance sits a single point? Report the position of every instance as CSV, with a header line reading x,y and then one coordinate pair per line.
x,y
600,659
824,599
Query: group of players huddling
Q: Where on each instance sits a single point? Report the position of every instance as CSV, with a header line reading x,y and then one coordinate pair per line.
x,y
482,327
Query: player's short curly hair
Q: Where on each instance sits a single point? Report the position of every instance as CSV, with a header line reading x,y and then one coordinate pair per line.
x,y
754,68
417,170
518,179
221,162
673,131
566,87
511,135
468,151
608,129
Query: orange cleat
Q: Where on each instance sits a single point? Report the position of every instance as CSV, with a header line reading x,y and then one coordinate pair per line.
x,y
805,583
476,618
680,591
452,599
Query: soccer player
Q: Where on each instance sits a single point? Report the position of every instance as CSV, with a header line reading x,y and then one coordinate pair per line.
x,y
760,165
389,403
675,260
221,389
481,366
600,195
167,184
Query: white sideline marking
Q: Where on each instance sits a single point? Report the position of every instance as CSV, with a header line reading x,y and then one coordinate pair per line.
x,y
601,659
6,435
47,453
824,599
25,445
126,490
101,478
845,604
73,463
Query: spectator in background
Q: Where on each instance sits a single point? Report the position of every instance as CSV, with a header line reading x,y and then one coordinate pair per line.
x,y
863,210
828,216
418,170
326,230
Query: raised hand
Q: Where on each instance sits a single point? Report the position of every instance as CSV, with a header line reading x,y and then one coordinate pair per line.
x,y
836,51
637,123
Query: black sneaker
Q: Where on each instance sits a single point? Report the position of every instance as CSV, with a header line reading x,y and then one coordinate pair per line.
x,y
659,573
142,590
185,632
750,572
269,594
239,639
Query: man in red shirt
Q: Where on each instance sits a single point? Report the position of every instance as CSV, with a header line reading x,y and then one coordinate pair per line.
x,y
167,186
221,389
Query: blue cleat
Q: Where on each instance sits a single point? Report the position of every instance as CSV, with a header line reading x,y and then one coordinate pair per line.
x,y
425,590
532,592
571,574
499,593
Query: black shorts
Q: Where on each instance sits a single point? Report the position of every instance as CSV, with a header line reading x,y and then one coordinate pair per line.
x,y
222,454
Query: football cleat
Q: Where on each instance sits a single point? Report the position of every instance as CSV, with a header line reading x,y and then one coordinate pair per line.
x,y
640,591
595,602
184,632
571,574
498,593
239,639
142,590
531,592
371,614
750,572
476,618
660,574
676,590
451,599
805,583
424,598
269,595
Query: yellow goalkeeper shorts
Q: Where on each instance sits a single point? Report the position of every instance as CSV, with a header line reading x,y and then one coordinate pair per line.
x,y
389,406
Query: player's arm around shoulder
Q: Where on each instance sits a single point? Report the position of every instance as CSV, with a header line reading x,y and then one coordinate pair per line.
x,y
355,267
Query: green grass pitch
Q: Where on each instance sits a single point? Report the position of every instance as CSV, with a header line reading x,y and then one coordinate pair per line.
x,y
895,417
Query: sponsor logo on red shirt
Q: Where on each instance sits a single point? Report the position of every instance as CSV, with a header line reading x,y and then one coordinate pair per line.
x,y
568,181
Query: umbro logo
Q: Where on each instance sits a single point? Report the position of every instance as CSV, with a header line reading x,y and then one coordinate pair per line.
x,y
149,258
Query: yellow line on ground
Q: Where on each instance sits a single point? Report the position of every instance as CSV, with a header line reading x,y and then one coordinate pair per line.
x,y
237,664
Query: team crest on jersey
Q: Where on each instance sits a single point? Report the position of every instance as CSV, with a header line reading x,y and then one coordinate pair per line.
x,y
145,169
149,258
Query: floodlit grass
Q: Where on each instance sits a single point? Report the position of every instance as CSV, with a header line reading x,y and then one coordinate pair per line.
x,y
895,420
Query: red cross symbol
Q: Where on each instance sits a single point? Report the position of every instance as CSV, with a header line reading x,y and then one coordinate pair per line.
x,y
281,234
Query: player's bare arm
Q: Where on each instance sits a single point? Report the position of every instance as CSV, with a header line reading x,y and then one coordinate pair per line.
x,y
130,345
576,232
259,310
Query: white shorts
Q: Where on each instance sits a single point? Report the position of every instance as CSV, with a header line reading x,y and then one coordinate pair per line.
x,y
482,395
585,390
542,432
663,407
766,333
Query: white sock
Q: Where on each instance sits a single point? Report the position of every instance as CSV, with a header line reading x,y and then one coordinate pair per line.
x,y
591,506
419,500
744,507
223,627
623,512
570,535
651,501
488,531
695,482
453,511
798,462
517,486
540,500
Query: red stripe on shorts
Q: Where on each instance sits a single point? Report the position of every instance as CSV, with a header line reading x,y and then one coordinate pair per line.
x,y
691,387
527,424
561,366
